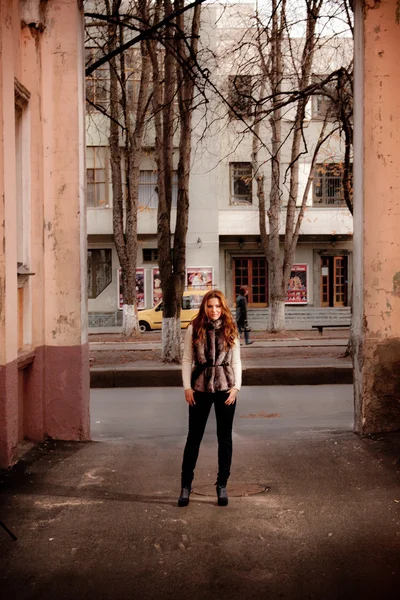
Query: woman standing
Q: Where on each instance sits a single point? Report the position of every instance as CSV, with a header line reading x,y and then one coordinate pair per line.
x,y
212,346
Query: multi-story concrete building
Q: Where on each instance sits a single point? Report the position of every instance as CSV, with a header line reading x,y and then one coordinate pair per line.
x,y
223,241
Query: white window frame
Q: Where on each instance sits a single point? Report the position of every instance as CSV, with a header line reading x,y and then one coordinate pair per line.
x,y
320,182
100,164
98,82
148,196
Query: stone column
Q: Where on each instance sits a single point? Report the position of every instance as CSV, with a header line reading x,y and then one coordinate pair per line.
x,y
66,357
42,210
8,244
377,217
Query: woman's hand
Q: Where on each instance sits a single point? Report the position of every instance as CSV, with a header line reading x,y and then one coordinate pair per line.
x,y
232,396
189,397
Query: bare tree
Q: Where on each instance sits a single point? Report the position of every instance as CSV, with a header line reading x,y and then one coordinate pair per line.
x,y
134,119
283,70
172,50
174,78
127,112
168,68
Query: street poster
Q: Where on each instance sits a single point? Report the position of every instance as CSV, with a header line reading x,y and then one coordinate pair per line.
x,y
140,297
156,286
297,292
200,278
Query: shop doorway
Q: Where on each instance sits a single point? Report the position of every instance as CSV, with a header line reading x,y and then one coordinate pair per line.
x,y
251,272
334,281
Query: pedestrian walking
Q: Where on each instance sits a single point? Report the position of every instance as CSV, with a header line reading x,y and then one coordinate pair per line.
x,y
212,374
241,314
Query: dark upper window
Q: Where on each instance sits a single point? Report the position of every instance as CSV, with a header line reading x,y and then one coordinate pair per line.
x,y
241,178
99,266
328,185
321,104
98,83
150,254
240,95
334,96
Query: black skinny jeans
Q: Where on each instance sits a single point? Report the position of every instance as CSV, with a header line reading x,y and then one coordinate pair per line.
x,y
198,416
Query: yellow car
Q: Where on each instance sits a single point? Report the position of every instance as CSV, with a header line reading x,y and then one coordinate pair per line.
x,y
151,318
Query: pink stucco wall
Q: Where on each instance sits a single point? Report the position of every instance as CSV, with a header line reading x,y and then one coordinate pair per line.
x,y
8,258
45,55
377,374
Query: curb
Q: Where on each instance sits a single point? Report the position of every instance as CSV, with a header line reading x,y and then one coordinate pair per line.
x,y
123,377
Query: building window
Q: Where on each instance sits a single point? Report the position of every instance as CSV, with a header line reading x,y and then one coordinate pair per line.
x,y
328,185
98,83
150,254
23,213
321,106
241,178
148,196
133,74
99,267
338,95
240,95
97,177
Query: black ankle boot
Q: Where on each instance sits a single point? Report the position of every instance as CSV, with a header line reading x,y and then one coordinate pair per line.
x,y
183,499
222,495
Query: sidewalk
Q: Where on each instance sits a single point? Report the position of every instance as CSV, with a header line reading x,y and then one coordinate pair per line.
x,y
294,358
313,514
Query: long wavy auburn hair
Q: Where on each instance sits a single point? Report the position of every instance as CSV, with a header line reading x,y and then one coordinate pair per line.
x,y
228,324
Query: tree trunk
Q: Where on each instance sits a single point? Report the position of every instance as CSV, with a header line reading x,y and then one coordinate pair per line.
x,y
276,315
290,242
164,88
127,262
135,125
276,296
279,271
171,340
172,268
129,319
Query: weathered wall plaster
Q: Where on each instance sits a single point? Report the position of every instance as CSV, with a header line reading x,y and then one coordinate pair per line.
x,y
41,44
377,384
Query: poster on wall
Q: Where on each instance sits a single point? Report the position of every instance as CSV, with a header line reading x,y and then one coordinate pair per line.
x,y
156,286
140,298
200,278
297,292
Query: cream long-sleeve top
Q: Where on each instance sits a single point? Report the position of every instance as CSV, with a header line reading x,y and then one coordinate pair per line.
x,y
187,361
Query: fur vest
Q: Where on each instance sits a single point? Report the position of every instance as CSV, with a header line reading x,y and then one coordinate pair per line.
x,y
212,362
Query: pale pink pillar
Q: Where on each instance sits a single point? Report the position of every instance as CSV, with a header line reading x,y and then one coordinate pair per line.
x,y
8,248
377,217
41,54
66,353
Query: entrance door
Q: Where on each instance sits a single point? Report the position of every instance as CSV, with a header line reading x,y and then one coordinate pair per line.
x,y
334,281
251,272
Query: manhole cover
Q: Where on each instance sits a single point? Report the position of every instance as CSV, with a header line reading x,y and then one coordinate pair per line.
x,y
261,415
236,490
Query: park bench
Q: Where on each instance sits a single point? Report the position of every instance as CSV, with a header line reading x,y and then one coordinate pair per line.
x,y
329,326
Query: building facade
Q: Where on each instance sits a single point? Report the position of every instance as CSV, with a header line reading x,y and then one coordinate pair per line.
x,y
223,241
44,366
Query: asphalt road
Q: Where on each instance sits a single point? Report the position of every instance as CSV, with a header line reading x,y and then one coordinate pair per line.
x,y
313,514
134,413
